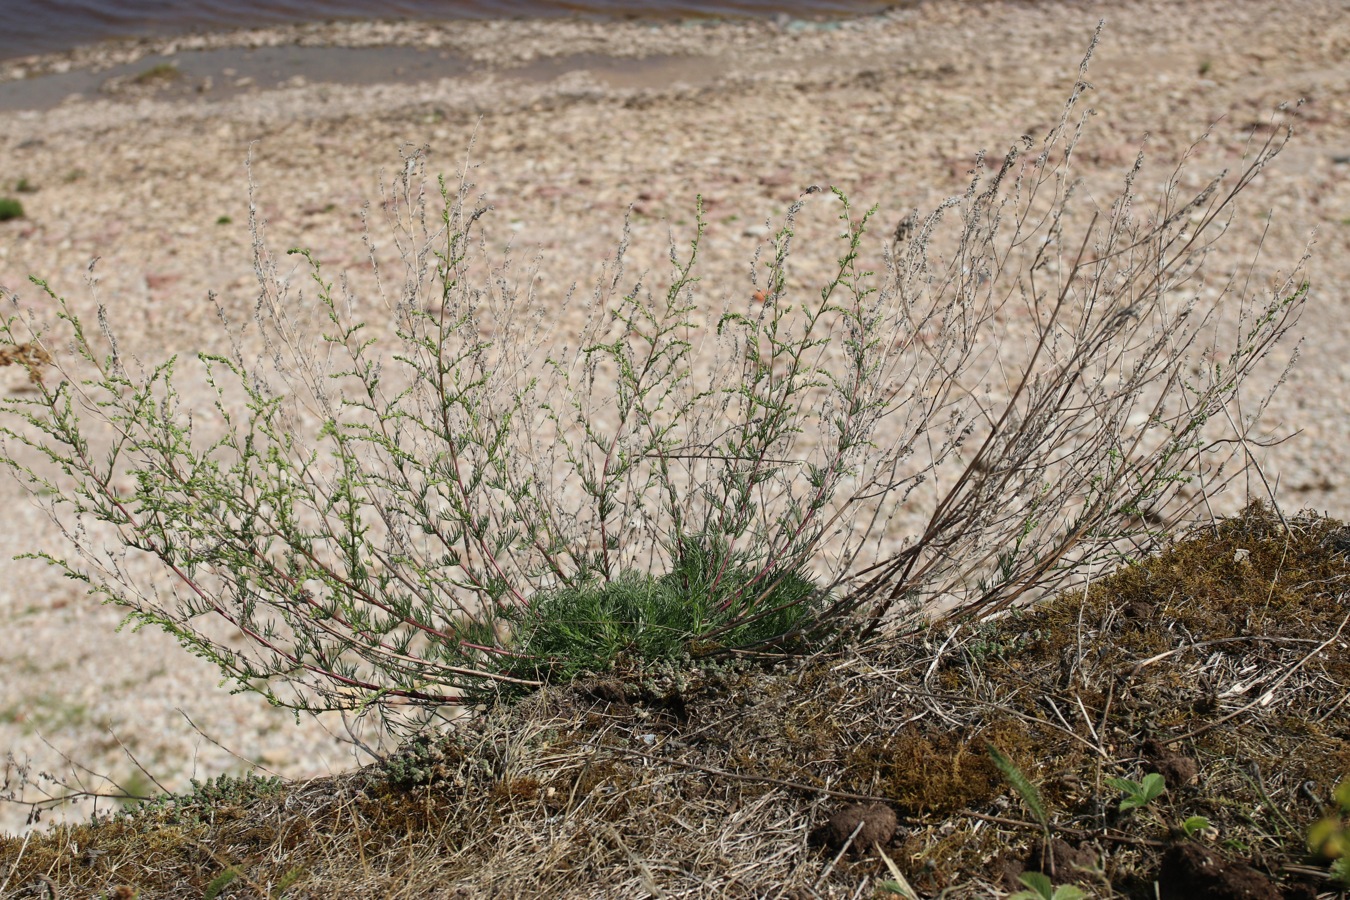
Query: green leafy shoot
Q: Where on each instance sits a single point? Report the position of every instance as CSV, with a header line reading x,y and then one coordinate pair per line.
x,y
1138,793
1025,789
1195,825
219,883
1040,888
1329,837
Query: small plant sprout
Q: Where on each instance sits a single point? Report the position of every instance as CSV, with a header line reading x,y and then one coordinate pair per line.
x,y
1138,793
1200,826
1039,887
1329,837
1025,789
220,883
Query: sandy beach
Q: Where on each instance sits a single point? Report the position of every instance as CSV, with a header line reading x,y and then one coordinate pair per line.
x,y
569,125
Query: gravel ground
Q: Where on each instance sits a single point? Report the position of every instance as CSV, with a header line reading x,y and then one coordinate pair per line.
x,y
570,124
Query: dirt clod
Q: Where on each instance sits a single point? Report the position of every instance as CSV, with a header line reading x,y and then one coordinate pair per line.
x,y
606,690
1176,769
1065,863
1196,872
1140,610
878,826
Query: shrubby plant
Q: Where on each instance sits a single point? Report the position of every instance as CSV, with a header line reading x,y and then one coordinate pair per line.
x,y
403,514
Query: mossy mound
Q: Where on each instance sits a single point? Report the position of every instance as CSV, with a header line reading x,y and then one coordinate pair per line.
x,y
1221,663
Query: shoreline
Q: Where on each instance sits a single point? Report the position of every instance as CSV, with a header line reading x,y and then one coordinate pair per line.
x,y
473,38
32,34
646,52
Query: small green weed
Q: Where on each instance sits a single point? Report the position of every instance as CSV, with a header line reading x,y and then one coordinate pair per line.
x,y
1195,825
220,883
1138,793
10,209
24,186
1040,888
998,641
1028,792
423,761
224,220
1329,837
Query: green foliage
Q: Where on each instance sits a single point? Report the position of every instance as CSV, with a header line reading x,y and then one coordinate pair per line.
x,y
220,883
1329,837
288,880
1138,793
205,797
471,546
996,641
1040,888
712,598
10,209
1194,825
1025,789
423,761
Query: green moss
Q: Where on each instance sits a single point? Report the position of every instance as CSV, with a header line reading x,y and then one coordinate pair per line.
x,y
928,773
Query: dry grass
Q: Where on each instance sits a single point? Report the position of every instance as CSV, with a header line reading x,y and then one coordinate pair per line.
x,y
1220,663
